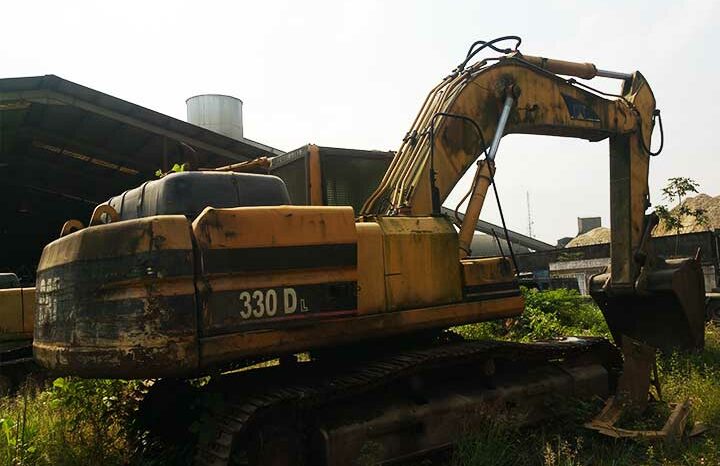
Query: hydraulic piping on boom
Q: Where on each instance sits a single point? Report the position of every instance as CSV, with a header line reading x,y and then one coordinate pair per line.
x,y
656,301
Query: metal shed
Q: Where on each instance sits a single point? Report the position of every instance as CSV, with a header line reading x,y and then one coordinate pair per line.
x,y
65,148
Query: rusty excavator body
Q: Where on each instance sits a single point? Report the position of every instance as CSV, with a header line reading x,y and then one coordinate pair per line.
x,y
207,272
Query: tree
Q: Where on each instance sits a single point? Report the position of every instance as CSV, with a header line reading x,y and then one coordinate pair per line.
x,y
672,218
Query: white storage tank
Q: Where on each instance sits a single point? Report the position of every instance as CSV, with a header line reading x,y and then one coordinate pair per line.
x,y
219,113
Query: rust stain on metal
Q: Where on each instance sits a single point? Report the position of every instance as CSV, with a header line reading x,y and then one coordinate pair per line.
x,y
672,430
632,394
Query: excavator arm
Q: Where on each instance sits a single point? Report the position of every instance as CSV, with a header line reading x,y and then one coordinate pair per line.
x,y
543,103
540,103
471,109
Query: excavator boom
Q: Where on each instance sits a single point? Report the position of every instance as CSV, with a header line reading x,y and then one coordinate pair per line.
x,y
523,94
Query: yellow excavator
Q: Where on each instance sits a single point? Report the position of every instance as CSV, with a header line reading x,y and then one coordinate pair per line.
x,y
211,272
17,311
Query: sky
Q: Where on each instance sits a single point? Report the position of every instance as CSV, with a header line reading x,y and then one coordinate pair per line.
x,y
354,74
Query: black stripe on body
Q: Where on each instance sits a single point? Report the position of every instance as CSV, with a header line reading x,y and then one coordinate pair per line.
x,y
72,305
162,263
279,258
67,318
491,291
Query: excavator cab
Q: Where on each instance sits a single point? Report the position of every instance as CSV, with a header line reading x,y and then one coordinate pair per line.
x,y
17,311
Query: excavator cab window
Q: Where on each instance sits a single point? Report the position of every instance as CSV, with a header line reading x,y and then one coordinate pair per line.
x,y
351,180
347,176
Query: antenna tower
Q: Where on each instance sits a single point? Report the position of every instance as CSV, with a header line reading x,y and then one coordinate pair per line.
x,y
529,215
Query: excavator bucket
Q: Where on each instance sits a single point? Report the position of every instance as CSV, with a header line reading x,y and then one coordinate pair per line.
x,y
665,310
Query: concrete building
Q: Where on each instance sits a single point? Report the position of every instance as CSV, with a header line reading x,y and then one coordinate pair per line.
x,y
584,261
579,270
586,224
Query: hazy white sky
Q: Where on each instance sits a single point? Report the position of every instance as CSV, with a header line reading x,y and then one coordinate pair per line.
x,y
354,74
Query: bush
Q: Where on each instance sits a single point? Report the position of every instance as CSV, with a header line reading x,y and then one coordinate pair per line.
x,y
548,314
73,422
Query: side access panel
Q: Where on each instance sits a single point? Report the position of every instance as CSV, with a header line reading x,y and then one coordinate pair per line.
x,y
17,313
11,314
279,267
488,278
421,262
252,257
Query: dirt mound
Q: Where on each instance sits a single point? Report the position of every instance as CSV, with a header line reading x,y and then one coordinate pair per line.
x,y
710,204
597,235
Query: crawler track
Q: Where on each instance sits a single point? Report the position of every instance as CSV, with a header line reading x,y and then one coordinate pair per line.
x,y
277,395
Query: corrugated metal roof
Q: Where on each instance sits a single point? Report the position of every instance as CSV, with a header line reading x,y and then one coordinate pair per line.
x,y
65,148
45,119
53,90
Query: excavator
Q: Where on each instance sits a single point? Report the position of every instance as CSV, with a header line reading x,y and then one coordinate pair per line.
x,y
216,273
17,311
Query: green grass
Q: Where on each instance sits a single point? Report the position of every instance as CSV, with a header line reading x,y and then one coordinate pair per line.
x,y
73,422
80,422
548,314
